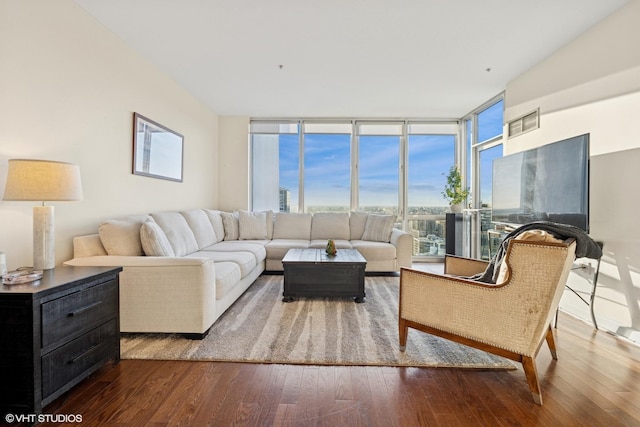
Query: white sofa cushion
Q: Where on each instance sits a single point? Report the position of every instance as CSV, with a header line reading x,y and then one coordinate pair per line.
x,y
374,251
216,221
227,277
252,225
330,225
292,226
245,260
154,241
378,228
322,244
201,226
122,236
277,248
257,248
182,239
87,246
357,221
231,224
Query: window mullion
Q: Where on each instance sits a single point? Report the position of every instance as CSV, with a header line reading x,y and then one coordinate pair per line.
x,y
301,167
403,178
355,150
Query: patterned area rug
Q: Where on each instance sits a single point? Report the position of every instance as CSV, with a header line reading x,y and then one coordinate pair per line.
x,y
260,328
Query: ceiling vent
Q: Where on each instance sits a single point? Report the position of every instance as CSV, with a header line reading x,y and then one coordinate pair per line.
x,y
526,123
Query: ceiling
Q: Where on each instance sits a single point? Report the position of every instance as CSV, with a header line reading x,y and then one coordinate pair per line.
x,y
346,58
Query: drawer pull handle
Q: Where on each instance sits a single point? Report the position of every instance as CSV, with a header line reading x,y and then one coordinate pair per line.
x,y
85,308
83,354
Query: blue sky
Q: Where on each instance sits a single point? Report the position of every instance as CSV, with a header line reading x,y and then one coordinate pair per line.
x,y
327,166
489,125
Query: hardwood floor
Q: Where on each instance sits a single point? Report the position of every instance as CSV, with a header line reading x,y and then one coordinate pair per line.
x,y
596,381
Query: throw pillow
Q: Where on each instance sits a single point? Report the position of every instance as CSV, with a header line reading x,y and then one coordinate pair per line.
x,y
231,225
537,236
252,225
378,228
530,236
154,241
122,236
270,219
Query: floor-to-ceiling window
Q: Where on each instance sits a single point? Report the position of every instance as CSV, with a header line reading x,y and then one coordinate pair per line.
x,y
393,167
485,166
431,152
327,167
483,135
275,166
378,167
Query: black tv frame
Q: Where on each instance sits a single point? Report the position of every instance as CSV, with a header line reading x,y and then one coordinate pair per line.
x,y
512,218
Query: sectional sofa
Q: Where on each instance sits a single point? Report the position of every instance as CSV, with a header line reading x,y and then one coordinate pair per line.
x,y
182,270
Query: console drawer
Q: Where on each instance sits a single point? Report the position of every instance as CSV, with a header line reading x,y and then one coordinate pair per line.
x,y
78,312
73,359
55,333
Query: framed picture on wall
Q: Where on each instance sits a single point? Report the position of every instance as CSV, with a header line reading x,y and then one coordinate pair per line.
x,y
157,150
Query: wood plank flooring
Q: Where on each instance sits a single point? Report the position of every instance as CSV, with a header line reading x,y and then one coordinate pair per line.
x,y
595,382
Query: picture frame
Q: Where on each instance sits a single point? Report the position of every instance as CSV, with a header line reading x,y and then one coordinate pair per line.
x,y
157,150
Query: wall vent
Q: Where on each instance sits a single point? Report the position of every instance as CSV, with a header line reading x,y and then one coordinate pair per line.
x,y
526,123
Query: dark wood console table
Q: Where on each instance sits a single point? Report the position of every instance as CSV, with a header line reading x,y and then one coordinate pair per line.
x,y
55,332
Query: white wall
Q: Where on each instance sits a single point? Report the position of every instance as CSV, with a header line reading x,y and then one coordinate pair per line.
x,y
68,91
234,163
592,85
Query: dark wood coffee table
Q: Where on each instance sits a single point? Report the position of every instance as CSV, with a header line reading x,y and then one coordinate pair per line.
x,y
313,273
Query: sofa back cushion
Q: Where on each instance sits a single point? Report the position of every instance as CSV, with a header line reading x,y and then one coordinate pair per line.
x,y
216,221
122,236
292,226
330,225
201,226
88,245
175,227
357,221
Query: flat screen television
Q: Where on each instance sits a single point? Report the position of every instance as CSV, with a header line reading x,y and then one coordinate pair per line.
x,y
548,183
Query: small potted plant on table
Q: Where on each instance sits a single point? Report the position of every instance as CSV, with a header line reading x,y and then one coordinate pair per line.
x,y
331,248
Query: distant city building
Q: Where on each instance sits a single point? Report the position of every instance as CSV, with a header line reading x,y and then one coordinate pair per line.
x,y
285,200
428,236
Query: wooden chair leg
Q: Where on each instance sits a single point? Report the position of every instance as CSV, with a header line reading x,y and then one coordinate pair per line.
x,y
529,365
403,331
551,342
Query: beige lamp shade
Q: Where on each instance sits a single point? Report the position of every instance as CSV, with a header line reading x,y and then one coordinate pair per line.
x,y
42,180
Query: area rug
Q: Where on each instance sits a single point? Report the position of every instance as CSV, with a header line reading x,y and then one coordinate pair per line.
x,y
260,328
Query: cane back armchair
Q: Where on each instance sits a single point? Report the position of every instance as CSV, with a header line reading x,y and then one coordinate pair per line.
x,y
511,318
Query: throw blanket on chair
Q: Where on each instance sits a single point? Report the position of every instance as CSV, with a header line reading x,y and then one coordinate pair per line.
x,y
586,247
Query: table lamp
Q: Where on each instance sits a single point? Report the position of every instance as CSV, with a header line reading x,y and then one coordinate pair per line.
x,y
43,181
